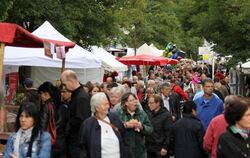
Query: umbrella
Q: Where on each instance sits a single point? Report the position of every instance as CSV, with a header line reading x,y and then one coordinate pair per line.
x,y
172,61
143,59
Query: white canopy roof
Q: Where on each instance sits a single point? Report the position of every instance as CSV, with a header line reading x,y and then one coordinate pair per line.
x,y
145,49
158,51
108,60
246,65
76,57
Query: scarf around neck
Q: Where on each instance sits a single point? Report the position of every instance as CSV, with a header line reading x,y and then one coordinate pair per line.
x,y
22,136
244,133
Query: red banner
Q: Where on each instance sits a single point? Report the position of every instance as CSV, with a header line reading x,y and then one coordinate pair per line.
x,y
12,79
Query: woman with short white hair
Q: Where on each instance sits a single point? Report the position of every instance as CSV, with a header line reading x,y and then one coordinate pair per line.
x,y
103,134
115,96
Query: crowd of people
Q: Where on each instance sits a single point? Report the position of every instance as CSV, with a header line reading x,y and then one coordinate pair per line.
x,y
171,112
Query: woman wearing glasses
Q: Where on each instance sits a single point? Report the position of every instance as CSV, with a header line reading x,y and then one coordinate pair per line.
x,y
136,123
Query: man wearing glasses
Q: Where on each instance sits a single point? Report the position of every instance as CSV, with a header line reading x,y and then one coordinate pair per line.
x,y
208,104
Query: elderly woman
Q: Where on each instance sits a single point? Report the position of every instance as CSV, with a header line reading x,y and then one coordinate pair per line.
x,y
136,123
235,142
103,134
29,139
115,97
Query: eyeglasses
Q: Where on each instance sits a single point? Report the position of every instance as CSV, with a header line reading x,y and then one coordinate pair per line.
x,y
150,92
209,86
151,102
132,100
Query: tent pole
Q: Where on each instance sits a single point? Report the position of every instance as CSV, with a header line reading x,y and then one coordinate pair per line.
x,y
2,45
63,65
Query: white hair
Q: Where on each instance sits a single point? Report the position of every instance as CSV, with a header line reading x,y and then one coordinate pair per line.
x,y
117,91
96,101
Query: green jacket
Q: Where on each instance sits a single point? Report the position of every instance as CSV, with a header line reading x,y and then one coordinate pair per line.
x,y
136,139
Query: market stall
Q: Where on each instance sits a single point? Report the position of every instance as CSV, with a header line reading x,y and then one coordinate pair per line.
x,y
14,35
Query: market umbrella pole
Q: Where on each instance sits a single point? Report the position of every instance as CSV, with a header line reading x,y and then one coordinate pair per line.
x,y
63,65
2,45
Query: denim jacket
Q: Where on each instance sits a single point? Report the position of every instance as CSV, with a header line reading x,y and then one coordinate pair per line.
x,y
41,147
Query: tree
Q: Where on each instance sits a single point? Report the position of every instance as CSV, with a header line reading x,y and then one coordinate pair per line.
x,y
85,22
223,22
131,20
4,7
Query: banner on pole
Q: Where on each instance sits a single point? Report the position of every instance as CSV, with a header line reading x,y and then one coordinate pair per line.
x,y
204,50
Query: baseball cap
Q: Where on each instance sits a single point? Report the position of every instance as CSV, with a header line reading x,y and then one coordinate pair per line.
x,y
28,82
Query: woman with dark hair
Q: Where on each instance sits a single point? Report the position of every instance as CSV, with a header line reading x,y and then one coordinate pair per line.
x,y
94,89
136,123
235,142
51,111
158,143
29,139
144,103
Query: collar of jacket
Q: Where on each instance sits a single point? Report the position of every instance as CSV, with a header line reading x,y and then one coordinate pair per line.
x,y
137,110
77,90
161,110
50,100
111,119
190,116
236,134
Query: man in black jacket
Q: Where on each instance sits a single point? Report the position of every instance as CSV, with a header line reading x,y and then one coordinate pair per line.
x,y
158,143
188,134
171,100
79,110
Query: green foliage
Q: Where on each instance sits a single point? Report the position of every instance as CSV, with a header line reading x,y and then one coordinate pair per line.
x,y
134,22
225,23
4,7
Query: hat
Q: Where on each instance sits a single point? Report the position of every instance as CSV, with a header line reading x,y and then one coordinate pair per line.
x,y
28,82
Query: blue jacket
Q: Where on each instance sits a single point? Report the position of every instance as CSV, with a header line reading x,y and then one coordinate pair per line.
x,y
208,109
41,147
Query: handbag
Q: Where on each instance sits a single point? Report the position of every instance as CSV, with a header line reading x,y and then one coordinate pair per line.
x,y
52,124
112,125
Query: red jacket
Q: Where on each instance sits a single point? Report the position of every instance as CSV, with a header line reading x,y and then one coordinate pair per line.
x,y
177,89
216,127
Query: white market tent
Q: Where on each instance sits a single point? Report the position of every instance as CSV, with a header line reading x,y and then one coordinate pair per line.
x,y
246,67
87,65
147,50
109,62
158,51
75,58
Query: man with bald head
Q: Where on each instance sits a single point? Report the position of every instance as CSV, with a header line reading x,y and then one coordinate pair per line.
x,y
79,110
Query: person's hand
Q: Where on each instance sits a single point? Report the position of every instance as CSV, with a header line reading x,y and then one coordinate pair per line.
x,y
174,118
131,123
13,156
139,125
163,152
